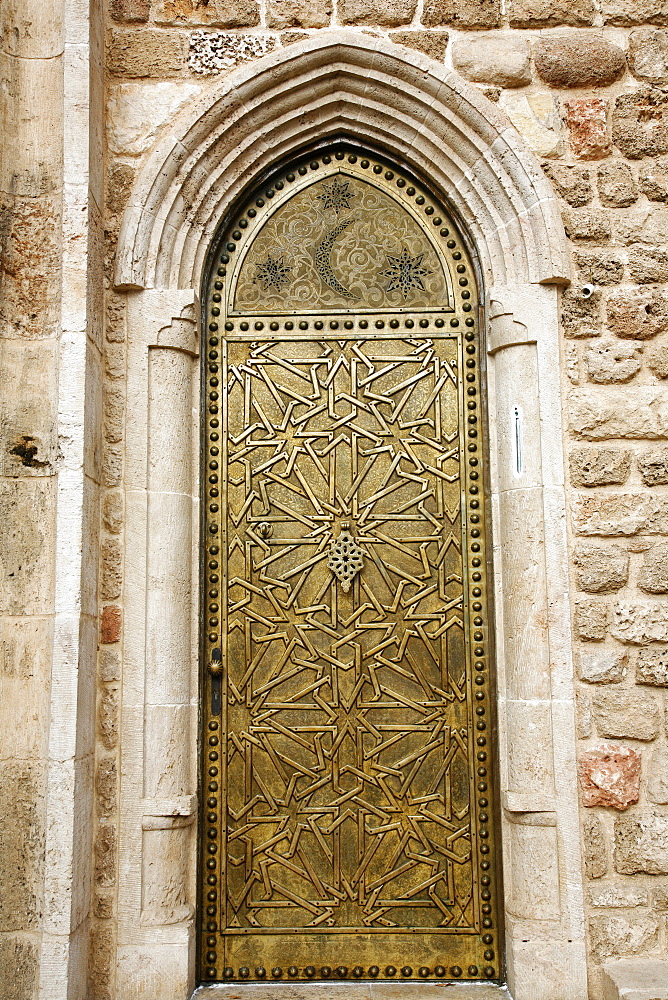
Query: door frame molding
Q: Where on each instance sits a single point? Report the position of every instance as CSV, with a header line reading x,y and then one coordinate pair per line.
x,y
333,83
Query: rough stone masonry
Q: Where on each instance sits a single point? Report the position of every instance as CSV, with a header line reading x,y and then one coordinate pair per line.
x,y
585,83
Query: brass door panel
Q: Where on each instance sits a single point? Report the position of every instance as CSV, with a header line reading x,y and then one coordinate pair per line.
x,y
347,751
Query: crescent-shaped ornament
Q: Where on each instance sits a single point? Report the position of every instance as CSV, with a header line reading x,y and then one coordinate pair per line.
x,y
323,260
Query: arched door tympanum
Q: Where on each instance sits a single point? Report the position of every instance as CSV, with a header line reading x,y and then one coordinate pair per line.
x,y
347,742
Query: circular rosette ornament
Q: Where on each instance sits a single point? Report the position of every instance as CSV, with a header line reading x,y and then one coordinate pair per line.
x,y
345,558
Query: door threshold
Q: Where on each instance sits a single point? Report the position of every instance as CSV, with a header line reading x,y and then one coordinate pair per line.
x,y
353,991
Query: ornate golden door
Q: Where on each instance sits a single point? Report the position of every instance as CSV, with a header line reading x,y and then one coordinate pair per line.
x,y
347,741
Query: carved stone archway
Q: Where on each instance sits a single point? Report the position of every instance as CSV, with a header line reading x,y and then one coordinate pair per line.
x,y
344,83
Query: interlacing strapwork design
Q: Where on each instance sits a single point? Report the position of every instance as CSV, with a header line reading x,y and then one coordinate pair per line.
x,y
347,804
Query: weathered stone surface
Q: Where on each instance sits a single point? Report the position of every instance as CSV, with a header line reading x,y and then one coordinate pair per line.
x,y
22,839
572,183
108,717
657,777
658,361
112,511
584,720
137,11
534,116
612,361
594,847
610,776
114,410
136,112
432,43
633,413
19,964
615,895
106,783
637,313
599,267
580,314
119,184
640,123
30,275
653,577
578,60
599,466
110,569
216,51
616,184
462,13
652,665
586,224
587,123
648,264
386,13
109,666
641,845
602,665
660,894
216,13
591,620
112,465
648,55
601,570
298,13
653,180
148,52
27,515
640,624
110,624
105,854
630,12
624,713
620,514
615,935
496,58
543,14
653,467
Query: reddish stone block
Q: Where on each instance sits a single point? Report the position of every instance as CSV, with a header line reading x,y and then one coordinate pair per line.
x,y
610,776
110,624
588,127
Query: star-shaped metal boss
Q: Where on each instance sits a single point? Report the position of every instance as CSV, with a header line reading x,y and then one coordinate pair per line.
x,y
273,272
405,272
336,195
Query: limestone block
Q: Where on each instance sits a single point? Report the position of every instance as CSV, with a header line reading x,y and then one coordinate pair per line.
x,y
587,123
105,854
653,467
584,720
298,13
599,267
620,514
640,624
630,12
603,666
594,847
106,784
385,13
112,511
618,895
610,776
136,113
112,465
28,408
653,577
110,570
635,979
657,777
633,413
612,361
27,514
110,624
599,466
19,962
648,55
432,43
591,620
641,844
578,60
215,51
626,713
660,897
498,58
648,264
534,117
611,935
652,665
30,270
640,123
462,13
148,52
586,224
165,858
616,184
119,184
653,180
216,13
573,183
658,361
25,669
534,874
131,11
601,570
108,716
109,665
22,839
580,315
637,313
543,14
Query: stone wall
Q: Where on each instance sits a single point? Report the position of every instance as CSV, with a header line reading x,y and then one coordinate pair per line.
x,y
585,82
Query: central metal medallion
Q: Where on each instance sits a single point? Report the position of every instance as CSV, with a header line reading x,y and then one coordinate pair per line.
x,y
348,814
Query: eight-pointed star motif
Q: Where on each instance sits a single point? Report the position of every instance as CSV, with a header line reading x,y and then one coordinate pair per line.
x,y
336,195
273,272
405,272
